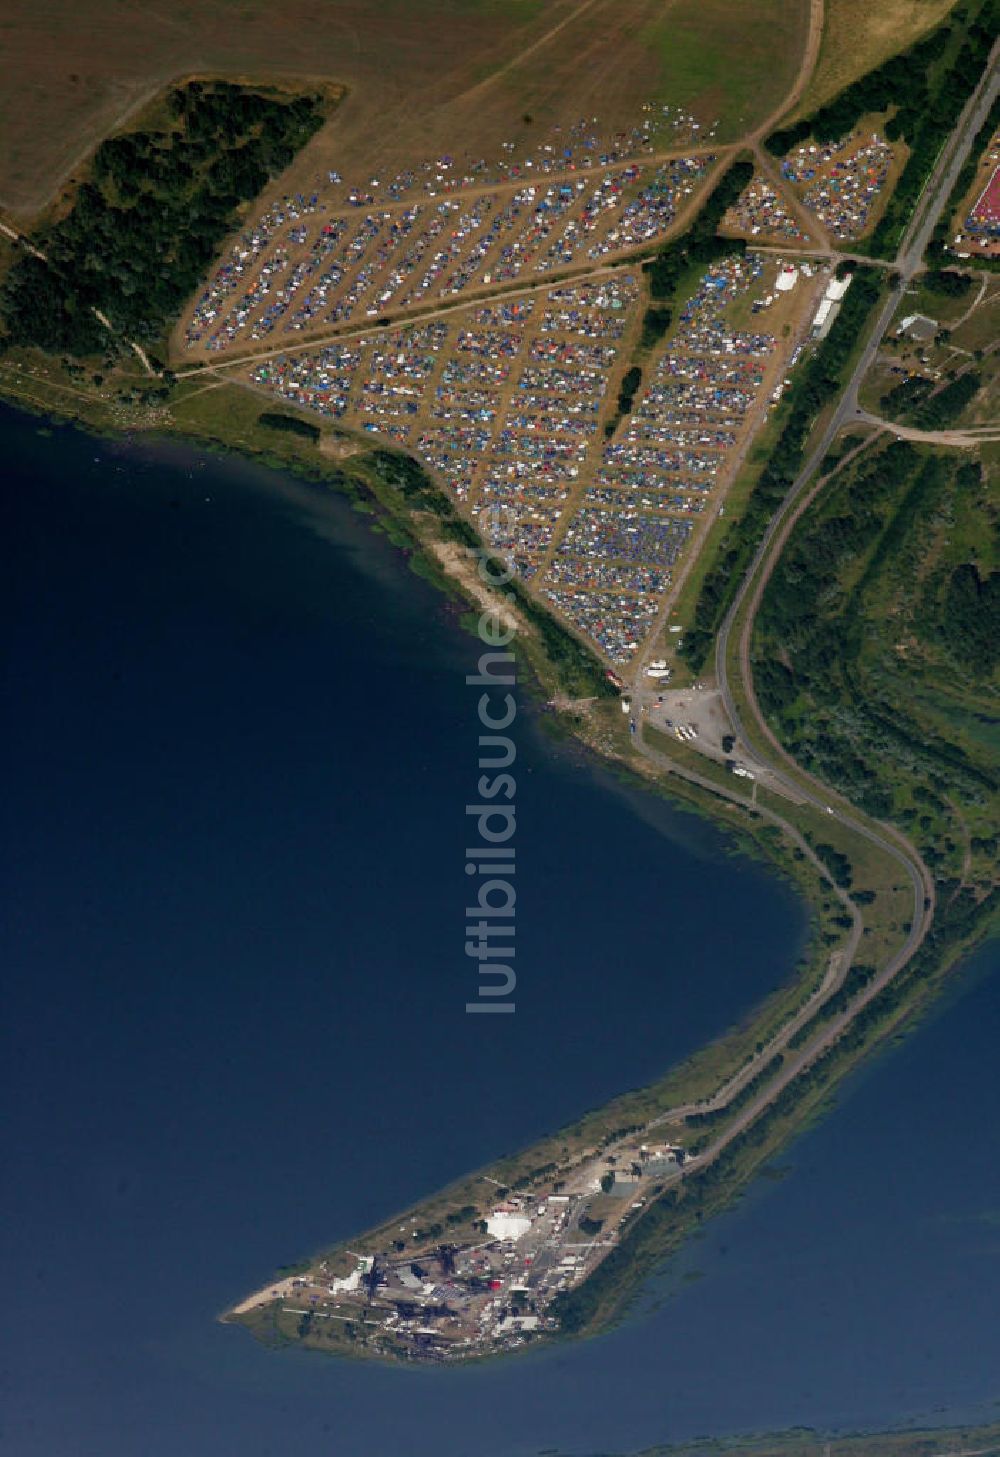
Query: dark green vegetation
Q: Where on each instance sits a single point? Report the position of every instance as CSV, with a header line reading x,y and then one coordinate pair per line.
x,y
815,384
695,249
946,282
837,863
626,396
918,403
937,249
807,1442
655,323
900,402
712,1117
149,221
579,672
969,622
412,482
875,644
857,978
924,89
291,424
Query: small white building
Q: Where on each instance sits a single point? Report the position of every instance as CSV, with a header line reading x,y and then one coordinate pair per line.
x,y
829,306
352,1281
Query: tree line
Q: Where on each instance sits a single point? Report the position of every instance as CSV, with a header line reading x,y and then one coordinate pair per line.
x,y
820,673
700,245
937,247
816,383
924,88
147,224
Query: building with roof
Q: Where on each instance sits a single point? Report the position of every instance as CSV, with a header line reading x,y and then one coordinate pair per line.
x,y
507,1224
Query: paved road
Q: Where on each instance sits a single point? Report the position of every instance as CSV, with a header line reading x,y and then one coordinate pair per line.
x,y
949,163
800,784
908,261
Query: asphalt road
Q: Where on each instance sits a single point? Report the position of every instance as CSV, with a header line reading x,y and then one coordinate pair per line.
x,y
908,261
802,785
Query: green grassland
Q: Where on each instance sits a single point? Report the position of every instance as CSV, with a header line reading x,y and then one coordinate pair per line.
x,y
949,381
725,61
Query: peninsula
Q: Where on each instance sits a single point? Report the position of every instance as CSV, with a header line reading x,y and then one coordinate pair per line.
x,y
715,384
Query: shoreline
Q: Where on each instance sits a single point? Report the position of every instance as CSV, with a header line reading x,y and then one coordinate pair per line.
x,y
416,533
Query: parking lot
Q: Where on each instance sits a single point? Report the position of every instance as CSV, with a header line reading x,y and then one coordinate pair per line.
x,y
841,182
507,402
346,253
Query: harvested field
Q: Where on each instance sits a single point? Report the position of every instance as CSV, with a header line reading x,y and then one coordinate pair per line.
x,y
421,77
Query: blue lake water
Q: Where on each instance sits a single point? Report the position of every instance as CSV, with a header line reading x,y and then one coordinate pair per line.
x,y
239,748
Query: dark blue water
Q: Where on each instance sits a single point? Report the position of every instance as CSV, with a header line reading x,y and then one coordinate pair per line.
x,y
239,747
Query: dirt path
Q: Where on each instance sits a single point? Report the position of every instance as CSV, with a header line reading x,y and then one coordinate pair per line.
x,y
101,318
806,67
961,439
25,243
808,221
837,967
983,285
92,135
543,40
723,153
582,272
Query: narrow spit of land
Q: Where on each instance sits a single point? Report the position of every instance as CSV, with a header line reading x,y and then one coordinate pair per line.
x,y
568,1224
489,1264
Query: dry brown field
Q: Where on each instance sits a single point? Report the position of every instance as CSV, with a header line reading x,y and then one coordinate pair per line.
x,y
420,76
859,35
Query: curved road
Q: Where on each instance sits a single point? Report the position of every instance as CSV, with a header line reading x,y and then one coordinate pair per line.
x,y
803,785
